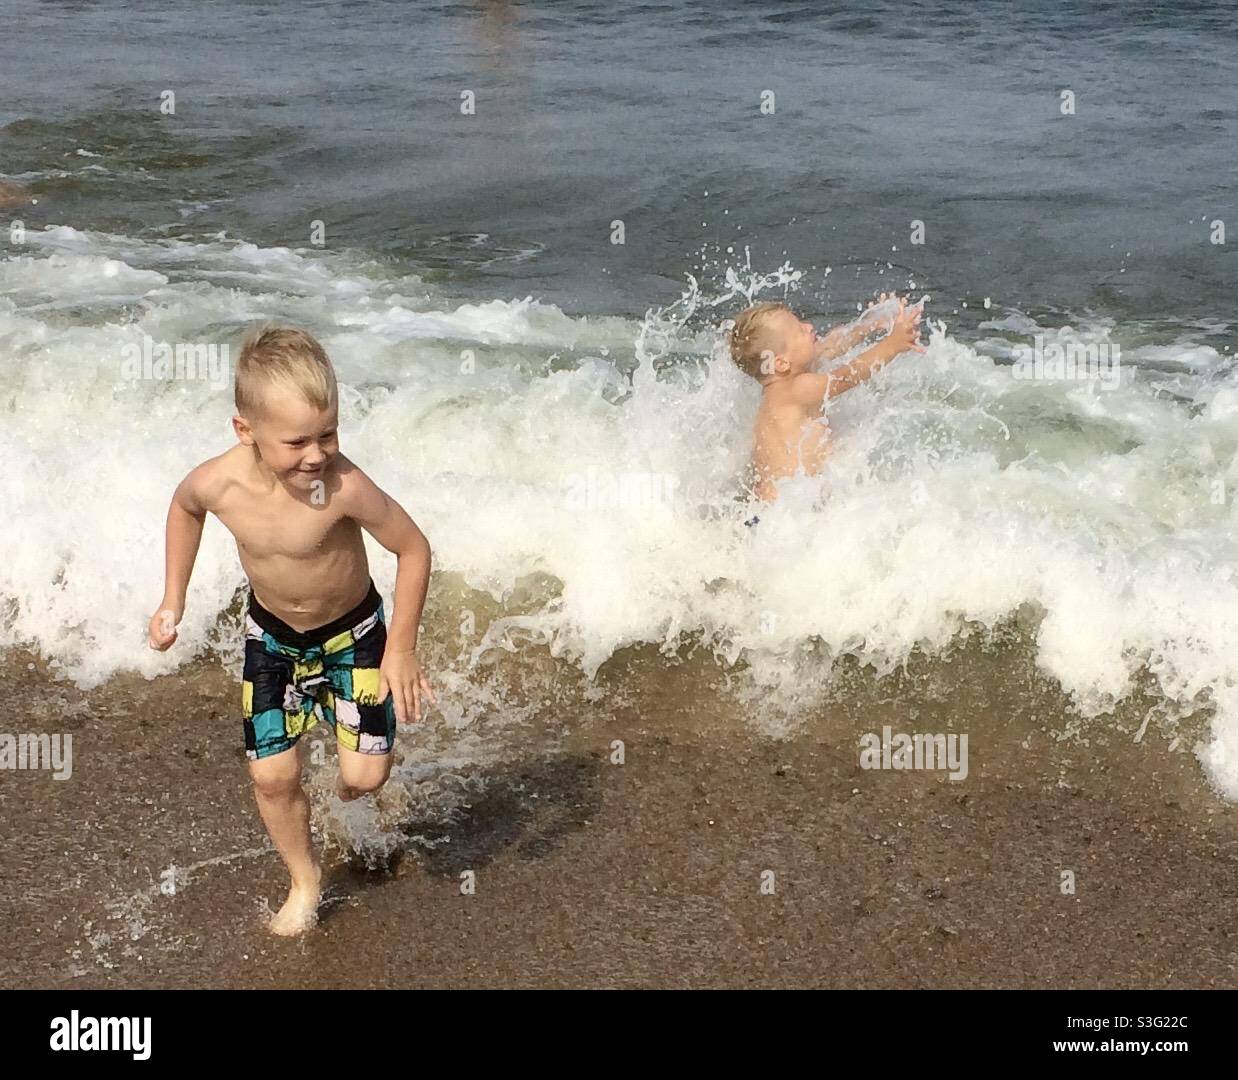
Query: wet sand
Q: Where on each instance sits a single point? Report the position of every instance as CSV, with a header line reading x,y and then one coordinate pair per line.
x,y
648,873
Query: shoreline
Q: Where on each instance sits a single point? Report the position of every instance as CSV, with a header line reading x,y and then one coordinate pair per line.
x,y
589,873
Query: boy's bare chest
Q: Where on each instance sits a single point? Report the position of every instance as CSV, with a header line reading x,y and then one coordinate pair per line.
x,y
792,423
272,528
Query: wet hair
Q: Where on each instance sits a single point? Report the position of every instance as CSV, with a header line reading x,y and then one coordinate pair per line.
x,y
751,337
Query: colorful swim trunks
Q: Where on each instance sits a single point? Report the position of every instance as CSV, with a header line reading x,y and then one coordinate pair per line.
x,y
294,679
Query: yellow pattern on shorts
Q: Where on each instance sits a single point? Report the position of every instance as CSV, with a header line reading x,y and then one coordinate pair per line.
x,y
365,685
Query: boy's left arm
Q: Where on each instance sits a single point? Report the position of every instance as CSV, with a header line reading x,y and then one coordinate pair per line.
x,y
904,335
846,336
386,520
842,339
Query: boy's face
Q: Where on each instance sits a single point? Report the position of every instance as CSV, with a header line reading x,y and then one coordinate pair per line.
x,y
295,440
794,342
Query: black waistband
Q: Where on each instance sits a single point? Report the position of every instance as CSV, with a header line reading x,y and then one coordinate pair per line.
x,y
304,639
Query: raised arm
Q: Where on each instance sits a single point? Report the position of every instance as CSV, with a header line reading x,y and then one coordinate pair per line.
x,y
809,388
845,337
842,338
903,336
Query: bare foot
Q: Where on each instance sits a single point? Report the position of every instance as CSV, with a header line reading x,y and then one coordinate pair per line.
x,y
300,910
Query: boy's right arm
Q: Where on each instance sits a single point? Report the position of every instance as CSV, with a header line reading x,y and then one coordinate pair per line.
x,y
810,388
186,517
844,337
904,335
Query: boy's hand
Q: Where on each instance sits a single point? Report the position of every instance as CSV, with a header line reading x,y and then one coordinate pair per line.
x,y
162,630
401,674
905,332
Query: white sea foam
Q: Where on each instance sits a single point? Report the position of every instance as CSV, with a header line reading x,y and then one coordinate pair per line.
x,y
956,492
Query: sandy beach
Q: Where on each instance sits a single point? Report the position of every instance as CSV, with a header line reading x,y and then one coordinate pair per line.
x,y
645,874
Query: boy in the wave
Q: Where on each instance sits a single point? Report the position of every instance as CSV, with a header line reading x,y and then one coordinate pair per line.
x,y
778,349
316,644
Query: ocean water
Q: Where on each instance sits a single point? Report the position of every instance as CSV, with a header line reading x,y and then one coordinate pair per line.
x,y
557,411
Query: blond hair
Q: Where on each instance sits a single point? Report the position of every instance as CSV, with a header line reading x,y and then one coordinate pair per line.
x,y
751,338
287,359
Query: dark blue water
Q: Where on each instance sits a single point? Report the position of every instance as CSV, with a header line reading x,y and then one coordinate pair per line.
x,y
947,113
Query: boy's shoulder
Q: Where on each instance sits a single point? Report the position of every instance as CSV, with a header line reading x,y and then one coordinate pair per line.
x,y
356,495
352,486
800,390
206,485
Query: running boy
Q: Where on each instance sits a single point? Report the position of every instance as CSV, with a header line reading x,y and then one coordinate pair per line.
x,y
778,349
316,642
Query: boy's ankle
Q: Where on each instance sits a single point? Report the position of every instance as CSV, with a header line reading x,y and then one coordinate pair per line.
x,y
311,882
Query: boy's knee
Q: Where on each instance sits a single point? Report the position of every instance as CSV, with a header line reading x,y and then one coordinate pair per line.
x,y
363,785
369,777
276,785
